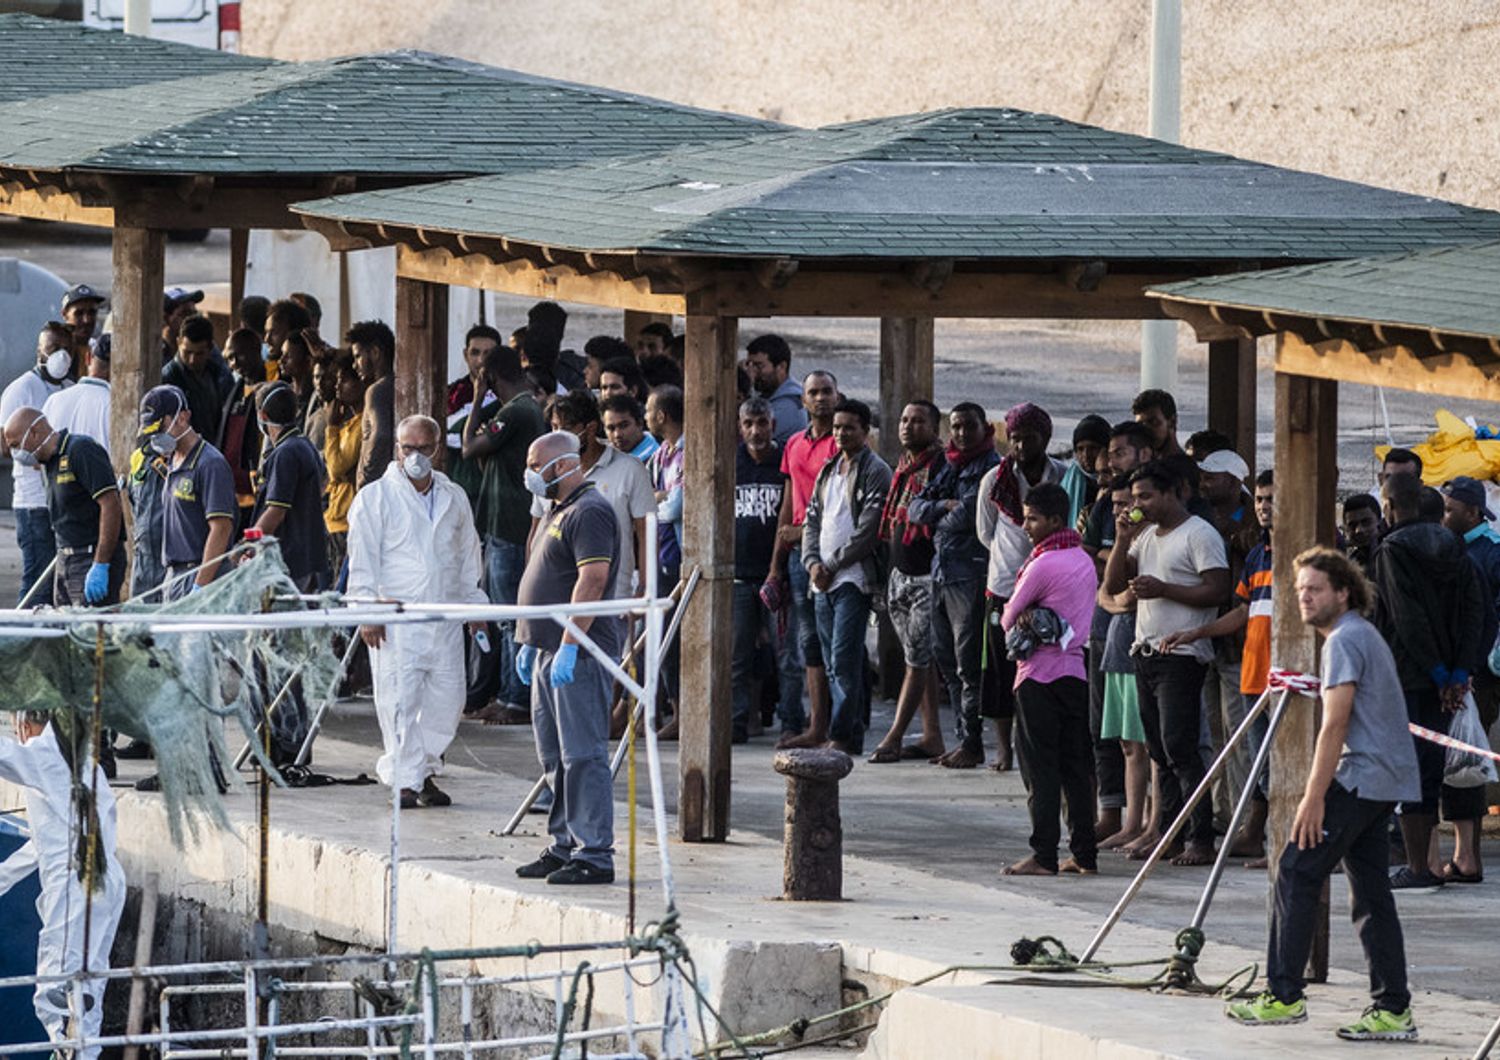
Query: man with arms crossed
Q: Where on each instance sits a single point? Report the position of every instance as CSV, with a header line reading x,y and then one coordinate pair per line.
x,y
1363,764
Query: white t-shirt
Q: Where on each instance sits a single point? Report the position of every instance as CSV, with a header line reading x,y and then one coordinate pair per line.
x,y
624,482
82,409
1180,557
28,390
836,529
1007,541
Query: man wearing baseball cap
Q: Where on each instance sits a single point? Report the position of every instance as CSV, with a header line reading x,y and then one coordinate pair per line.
x,y
177,304
80,311
1467,513
198,516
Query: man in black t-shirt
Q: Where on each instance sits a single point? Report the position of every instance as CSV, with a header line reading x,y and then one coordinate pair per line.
x,y
572,561
757,505
909,589
84,504
289,507
289,497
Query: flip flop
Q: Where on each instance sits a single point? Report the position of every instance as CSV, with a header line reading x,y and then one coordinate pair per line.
x,y
885,754
916,750
1453,874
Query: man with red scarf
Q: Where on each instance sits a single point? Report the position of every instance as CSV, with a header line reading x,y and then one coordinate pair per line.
x,y
1028,430
948,504
1051,687
909,586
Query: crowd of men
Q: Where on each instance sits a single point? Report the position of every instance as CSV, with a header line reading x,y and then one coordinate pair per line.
x,y
1107,607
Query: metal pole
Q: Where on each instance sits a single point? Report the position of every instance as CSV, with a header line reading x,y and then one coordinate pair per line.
x,y
1489,1042
45,578
144,933
1177,826
138,17
636,716
1256,768
1159,337
316,724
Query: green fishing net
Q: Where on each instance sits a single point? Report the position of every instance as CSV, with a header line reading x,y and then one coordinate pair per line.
x,y
177,690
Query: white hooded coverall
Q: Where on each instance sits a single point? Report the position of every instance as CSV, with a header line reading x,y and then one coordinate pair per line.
x,y
38,766
416,548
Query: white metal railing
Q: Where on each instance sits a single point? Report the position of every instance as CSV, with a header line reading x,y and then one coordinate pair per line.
x,y
415,1030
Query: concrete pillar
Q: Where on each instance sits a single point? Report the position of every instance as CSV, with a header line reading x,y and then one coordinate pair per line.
x,y
813,845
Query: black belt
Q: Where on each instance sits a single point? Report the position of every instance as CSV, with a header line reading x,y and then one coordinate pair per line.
x,y
77,550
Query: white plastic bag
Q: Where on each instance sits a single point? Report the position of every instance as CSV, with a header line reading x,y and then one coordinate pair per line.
x,y
1465,769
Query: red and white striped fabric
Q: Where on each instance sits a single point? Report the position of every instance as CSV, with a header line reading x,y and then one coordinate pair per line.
x,y
1448,741
1292,681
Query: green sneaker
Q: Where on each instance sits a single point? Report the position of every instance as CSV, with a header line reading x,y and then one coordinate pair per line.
x,y
1381,1025
1266,1011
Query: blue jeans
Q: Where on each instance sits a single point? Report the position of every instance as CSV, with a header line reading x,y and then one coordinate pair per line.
x,y
750,617
842,616
34,535
503,563
802,604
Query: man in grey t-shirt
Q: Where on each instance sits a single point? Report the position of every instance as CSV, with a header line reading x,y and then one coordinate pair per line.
x,y
1363,765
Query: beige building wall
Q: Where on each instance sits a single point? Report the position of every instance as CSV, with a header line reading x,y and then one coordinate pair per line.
x,y
1399,93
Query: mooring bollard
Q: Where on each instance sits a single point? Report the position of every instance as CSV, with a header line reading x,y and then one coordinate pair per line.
x,y
814,842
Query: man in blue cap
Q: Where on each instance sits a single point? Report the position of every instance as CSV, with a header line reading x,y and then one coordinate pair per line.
x,y
200,506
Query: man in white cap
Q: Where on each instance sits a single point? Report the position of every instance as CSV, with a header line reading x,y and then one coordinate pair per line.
x,y
412,538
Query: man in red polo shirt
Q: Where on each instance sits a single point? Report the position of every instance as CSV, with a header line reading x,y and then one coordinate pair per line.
x,y
802,458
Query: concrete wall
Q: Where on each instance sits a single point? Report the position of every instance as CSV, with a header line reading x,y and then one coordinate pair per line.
x,y
1395,94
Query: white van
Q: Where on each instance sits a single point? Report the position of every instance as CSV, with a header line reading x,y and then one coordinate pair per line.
x,y
205,23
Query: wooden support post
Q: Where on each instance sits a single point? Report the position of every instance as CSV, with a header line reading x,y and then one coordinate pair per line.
x,y
239,257
635,321
708,543
421,347
1231,393
1306,467
135,358
905,373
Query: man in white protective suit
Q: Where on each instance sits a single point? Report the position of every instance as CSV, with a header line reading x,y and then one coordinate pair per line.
x,y
412,539
35,761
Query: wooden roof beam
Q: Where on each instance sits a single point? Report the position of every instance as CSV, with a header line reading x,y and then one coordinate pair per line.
x,y
1205,321
341,235
774,273
1394,366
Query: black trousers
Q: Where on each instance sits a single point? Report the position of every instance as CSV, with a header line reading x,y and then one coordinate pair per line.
x,y
1170,689
1425,708
1354,832
1109,760
1057,759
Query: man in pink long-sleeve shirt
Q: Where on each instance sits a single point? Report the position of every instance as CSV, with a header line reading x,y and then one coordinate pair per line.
x,y
1052,697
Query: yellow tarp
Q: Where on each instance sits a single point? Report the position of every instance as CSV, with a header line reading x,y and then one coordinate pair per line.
x,y
1452,450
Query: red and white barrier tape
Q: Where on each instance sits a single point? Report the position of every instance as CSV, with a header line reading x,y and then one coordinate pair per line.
x,y
1448,741
1292,681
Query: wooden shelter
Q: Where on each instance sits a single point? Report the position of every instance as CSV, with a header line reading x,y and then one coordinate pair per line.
x,y
968,213
231,142
1426,321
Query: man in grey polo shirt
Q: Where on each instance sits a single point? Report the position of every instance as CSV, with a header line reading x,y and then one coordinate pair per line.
x,y
573,556
1363,765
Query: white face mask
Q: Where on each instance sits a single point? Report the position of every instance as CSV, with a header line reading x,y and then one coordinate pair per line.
x,y
28,457
58,364
537,484
417,465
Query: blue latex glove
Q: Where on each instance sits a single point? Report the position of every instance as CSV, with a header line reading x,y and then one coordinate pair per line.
x,y
525,663
1460,676
194,589
562,665
96,585
1439,675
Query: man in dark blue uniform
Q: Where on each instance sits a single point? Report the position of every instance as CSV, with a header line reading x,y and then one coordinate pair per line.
x,y
199,510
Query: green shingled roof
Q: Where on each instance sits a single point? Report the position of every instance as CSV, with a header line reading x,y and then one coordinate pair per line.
x,y
46,57
1455,290
402,113
965,184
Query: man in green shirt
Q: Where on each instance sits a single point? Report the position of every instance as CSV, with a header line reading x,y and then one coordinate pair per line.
x,y
499,440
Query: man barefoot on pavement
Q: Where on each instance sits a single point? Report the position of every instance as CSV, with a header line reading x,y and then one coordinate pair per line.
x,y
1176,566
1363,764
